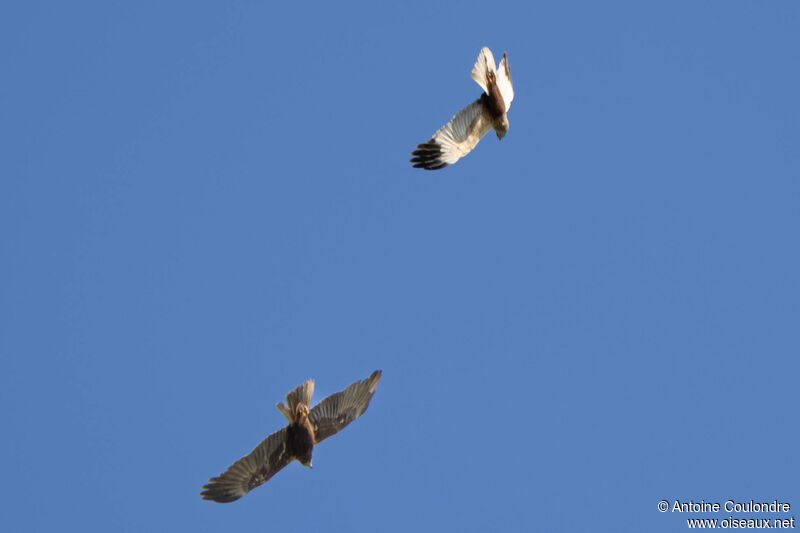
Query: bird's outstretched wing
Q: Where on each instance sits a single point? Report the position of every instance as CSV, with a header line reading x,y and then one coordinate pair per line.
x,y
455,139
250,471
503,80
332,414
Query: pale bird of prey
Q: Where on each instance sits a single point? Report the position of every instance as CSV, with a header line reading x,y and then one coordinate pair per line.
x,y
297,440
459,136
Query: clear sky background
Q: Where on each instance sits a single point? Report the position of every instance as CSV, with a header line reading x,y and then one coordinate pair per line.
x,y
203,204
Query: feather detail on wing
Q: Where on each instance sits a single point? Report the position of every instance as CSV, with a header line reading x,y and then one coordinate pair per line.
x,y
250,471
455,139
483,66
335,412
503,80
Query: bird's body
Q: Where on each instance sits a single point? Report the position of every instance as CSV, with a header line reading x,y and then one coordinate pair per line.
x,y
494,105
458,137
300,439
296,441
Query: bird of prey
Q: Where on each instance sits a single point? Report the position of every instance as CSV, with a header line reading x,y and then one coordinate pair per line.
x,y
296,441
459,136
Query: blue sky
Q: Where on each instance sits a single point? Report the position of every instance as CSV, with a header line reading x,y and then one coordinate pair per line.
x,y
203,204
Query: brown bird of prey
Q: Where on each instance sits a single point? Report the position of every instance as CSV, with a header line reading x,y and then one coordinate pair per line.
x,y
296,441
459,136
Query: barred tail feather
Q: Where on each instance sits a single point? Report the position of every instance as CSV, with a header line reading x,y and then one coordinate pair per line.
x,y
302,393
484,69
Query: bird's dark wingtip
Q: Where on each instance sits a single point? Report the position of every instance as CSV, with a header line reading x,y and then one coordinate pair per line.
x,y
428,156
215,493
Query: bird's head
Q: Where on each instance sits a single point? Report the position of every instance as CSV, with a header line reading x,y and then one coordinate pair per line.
x,y
502,127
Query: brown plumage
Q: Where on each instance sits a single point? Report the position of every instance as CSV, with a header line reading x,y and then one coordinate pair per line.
x,y
458,137
296,441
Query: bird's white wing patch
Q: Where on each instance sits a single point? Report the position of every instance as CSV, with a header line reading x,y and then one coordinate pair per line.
x,y
504,82
483,66
459,136
454,140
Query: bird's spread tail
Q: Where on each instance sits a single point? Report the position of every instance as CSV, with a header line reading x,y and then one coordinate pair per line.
x,y
301,394
484,70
